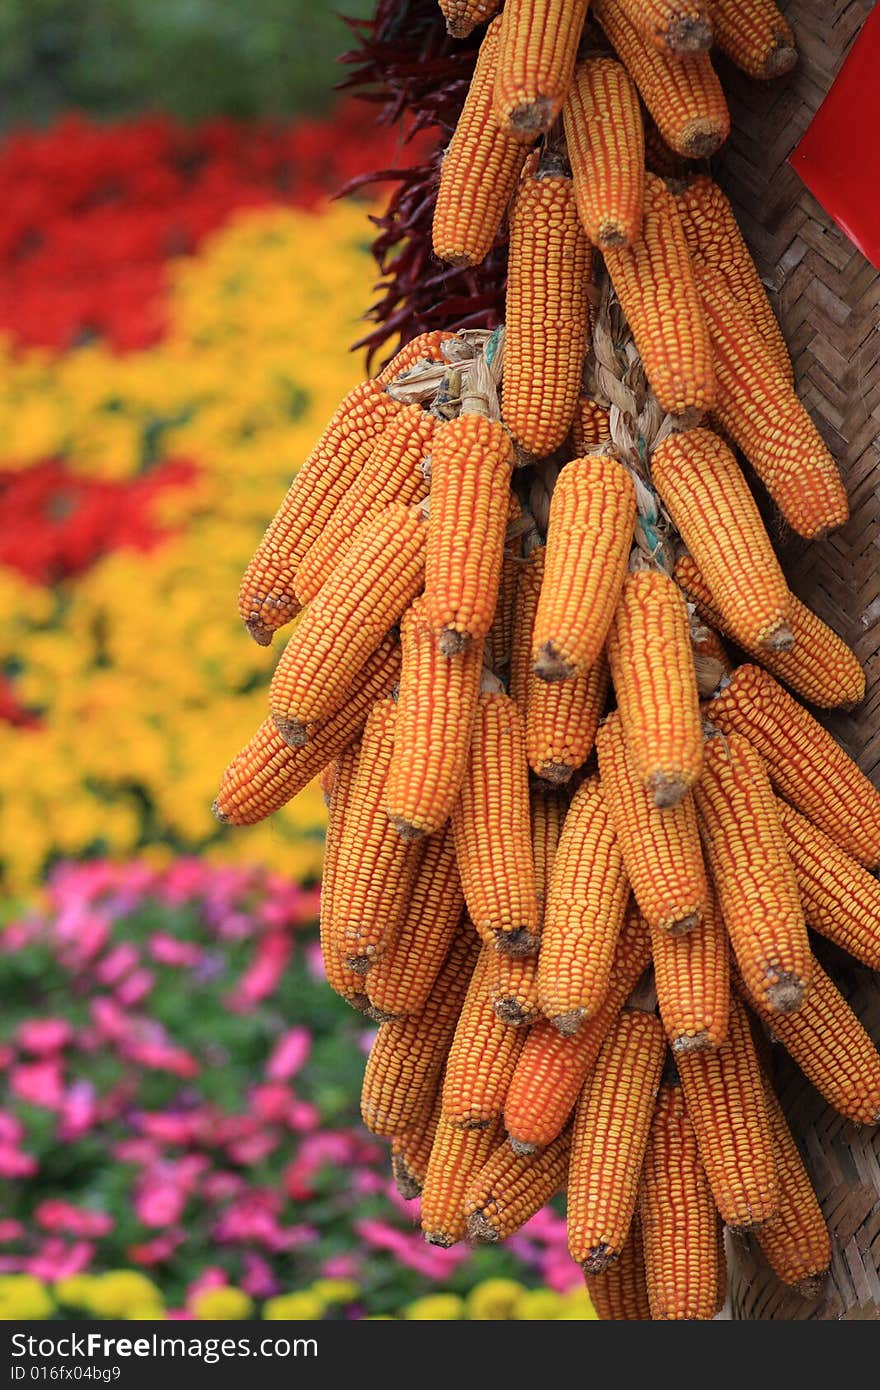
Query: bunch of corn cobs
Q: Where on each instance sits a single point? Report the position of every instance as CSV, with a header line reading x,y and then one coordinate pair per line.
x,y
574,851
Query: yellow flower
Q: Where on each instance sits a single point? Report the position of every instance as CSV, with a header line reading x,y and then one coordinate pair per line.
x,y
23,1297
494,1299
75,1291
435,1307
538,1305
578,1304
146,1312
114,1294
336,1290
222,1304
306,1305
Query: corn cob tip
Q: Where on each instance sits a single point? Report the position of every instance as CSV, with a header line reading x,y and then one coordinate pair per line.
x,y
293,731
610,235
406,830
451,642
556,773
359,964
261,634
779,639
480,1230
550,664
700,138
781,58
363,1006
405,1180
692,1042
218,814
689,35
520,942
510,1011
599,1258
521,1147
568,1024
531,119
787,995
667,791
682,925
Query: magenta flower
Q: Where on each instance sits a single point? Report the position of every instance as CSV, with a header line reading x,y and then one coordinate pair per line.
x,y
16,1164
55,1259
157,1250
159,1204
11,1230
135,988
290,1054
168,950
11,1128
410,1249
57,1215
257,1277
78,1113
38,1083
117,963
44,1035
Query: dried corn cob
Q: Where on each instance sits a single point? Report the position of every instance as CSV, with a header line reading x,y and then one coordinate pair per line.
x,y
832,1049
605,140
344,981
692,976
820,666
724,1096
840,899
660,849
266,599
561,721
755,35
411,1151
268,772
510,1188
391,473
480,169
678,1217
377,578
682,93
756,405
528,590
713,236
546,315
539,43
805,764
327,781
470,491
592,514
375,679
609,1136
552,1067
704,491
499,643
427,347
456,1159
654,281
482,1058
586,903
619,1293
590,428
754,877
375,870
401,980
795,1239
652,667
407,1055
672,26
436,711
464,15
491,826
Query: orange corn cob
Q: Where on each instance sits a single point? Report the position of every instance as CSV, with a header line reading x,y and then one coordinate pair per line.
x,y
840,899
491,826
795,1240
344,981
820,666
724,1095
704,491
713,236
510,1188
499,643
660,849
672,26
268,772
678,1217
266,599
376,870
590,427
401,981
375,679
552,1067
754,877
528,590
456,1159
482,1058
586,903
436,711
539,43
692,975
609,1136
756,405
682,93
411,1151
407,1055
605,139
546,313
833,1050
619,1293
480,169
327,781
659,158
470,492
755,35
592,515
392,473
377,578
464,15
652,667
427,347
654,281
805,764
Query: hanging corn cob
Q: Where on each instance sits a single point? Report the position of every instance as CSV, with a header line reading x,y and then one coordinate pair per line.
x,y
692,977
755,35
457,1158
620,1293
606,146
482,1058
464,15
672,26
795,1238
411,1151
510,1188
539,42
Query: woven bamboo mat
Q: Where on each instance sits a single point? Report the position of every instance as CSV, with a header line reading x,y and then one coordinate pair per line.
x,y
827,297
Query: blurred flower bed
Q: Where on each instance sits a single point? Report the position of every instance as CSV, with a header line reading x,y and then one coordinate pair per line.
x,y
175,312
171,1145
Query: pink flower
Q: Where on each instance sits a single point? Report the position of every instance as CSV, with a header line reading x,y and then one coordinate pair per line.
x,y
219,1187
211,1277
264,974
159,1056
44,1035
253,1148
55,1259
410,1250
290,1054
272,1101
167,1127
257,1277
156,1250
135,988
57,1215
11,1230
117,962
79,1111
341,1267
315,961
303,1116
109,1019
39,1083
11,1128
561,1273
159,1204
168,950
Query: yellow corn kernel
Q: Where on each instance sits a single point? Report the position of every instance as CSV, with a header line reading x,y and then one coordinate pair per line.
x,y
539,43
692,976
795,1240
457,1157
755,35
590,428
427,347
482,1058
605,139
510,1188
499,643
530,578
620,1293
652,667
411,1151
546,313
841,900
347,983
609,1136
